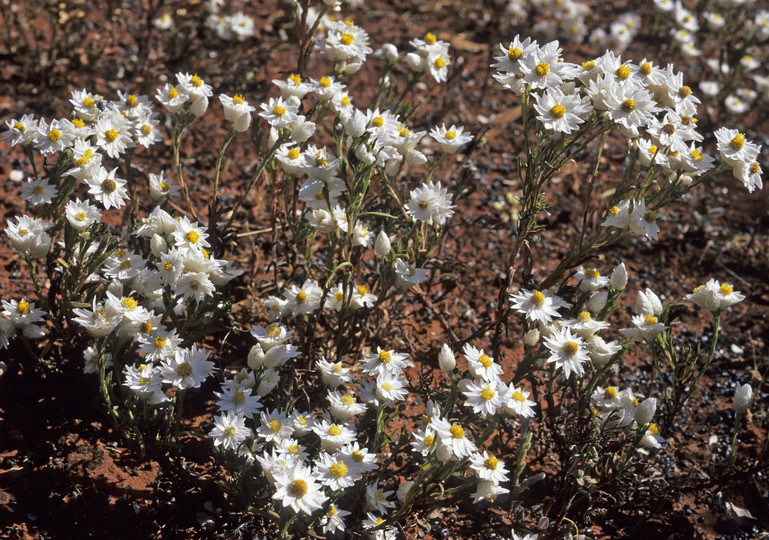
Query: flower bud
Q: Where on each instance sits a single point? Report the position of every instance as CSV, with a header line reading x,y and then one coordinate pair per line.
x,y
531,338
256,357
158,245
382,244
199,106
742,398
403,491
619,277
597,301
648,303
302,130
269,381
390,52
415,62
446,359
645,411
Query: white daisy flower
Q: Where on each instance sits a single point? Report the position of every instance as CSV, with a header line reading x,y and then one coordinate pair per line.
x,y
567,351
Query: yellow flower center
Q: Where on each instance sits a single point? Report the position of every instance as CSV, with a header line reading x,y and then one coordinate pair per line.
x,y
23,308
338,469
23,232
296,79
54,135
345,101
378,121
168,266
339,296
614,210
610,392
110,135
623,72
172,93
192,237
738,142
129,303
160,342
272,331
362,290
89,102
20,127
146,327
347,38
279,110
403,131
754,168
301,297
293,153
542,69
430,38
125,265
275,425
131,101
184,369
518,396
514,53
78,123
324,82
491,463
587,66
334,430
592,274
558,110
451,134
239,397
385,357
538,299
649,320
628,105
646,69
429,440
297,489
332,511
37,190
650,216
684,92
80,216
196,81
696,155
487,393
726,289
229,431
570,348
584,317
348,399
439,62
653,429
457,432
485,360
387,387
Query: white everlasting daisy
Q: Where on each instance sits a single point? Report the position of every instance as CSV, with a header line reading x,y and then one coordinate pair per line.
x,y
188,368
21,131
145,381
749,173
106,188
275,425
333,436
538,305
278,112
333,374
452,437
305,299
559,112
407,274
171,98
237,111
299,489
81,215
37,191
480,364
517,402
229,430
642,221
488,467
335,472
377,499
544,68
385,361
333,521
567,351
54,137
88,106
483,396
391,387
113,134
735,148
646,327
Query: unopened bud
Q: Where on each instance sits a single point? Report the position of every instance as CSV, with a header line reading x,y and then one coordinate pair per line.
x,y
644,413
531,338
446,359
742,398
390,52
619,277
597,301
403,491
382,244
